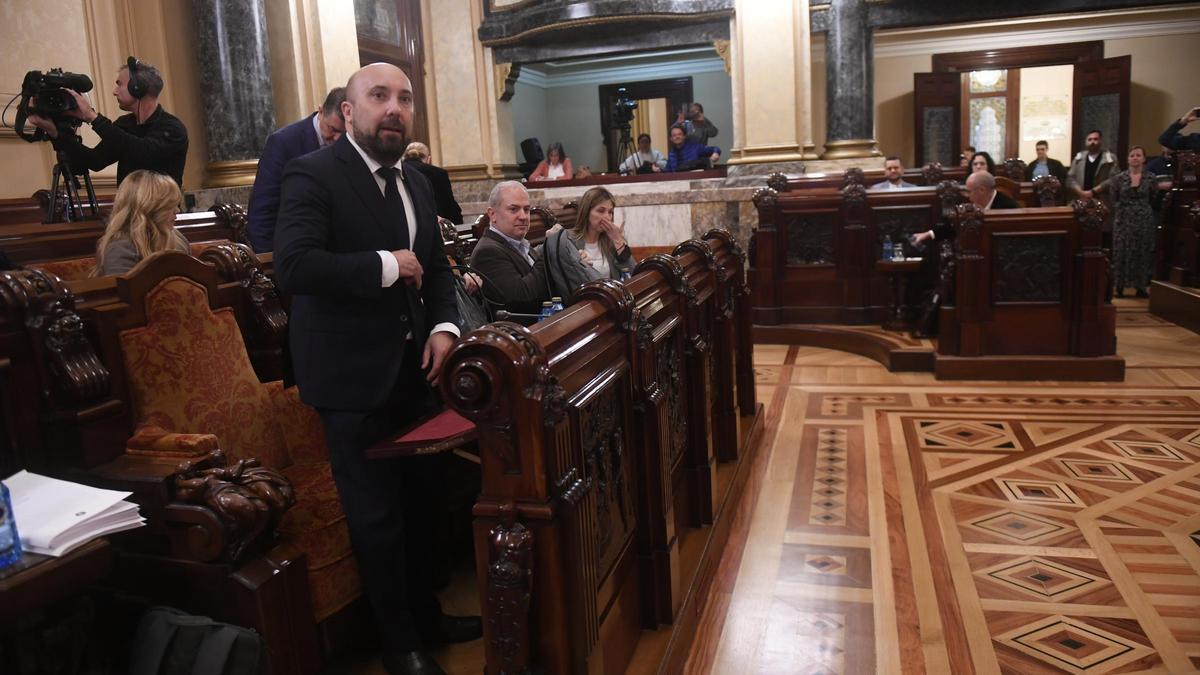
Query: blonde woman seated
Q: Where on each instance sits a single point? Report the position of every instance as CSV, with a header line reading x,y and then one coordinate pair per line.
x,y
595,248
142,222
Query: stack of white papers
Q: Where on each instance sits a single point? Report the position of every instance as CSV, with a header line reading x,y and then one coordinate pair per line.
x,y
54,517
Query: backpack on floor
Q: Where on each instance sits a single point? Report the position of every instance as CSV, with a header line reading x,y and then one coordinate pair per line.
x,y
170,642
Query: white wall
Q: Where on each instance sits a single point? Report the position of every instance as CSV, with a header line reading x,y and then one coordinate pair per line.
x,y
528,114
714,91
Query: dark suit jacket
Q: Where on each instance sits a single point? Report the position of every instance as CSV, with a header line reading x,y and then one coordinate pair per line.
x,y
284,145
346,333
447,205
1056,169
521,286
1002,201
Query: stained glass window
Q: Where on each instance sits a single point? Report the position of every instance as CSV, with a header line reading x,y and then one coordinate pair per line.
x,y
989,115
984,81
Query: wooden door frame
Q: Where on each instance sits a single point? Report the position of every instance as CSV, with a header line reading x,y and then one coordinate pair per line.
x,y
371,50
1019,57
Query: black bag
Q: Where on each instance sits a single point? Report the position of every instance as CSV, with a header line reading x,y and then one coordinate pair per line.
x,y
170,642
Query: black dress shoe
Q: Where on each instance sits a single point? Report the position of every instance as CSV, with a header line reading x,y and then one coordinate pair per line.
x,y
411,663
447,629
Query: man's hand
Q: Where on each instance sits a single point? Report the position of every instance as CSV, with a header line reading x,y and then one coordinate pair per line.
x,y
714,157
655,168
1190,116
472,282
1087,194
436,348
83,109
410,267
922,236
43,124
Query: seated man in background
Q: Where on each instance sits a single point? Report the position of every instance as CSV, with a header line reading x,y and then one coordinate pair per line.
x,y
685,155
1163,165
513,270
1045,166
416,156
1172,138
295,140
645,160
893,172
981,190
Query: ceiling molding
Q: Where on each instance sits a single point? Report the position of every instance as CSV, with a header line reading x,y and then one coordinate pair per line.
x,y
909,42
630,73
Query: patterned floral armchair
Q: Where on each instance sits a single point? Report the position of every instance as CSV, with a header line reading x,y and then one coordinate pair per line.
x,y
187,378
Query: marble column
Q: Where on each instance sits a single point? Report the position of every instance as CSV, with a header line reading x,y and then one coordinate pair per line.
x,y
849,82
235,75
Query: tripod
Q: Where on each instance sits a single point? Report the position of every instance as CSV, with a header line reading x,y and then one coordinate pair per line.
x,y
625,148
68,203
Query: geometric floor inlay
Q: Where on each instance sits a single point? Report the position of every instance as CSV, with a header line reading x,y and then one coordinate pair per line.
x,y
829,479
826,564
1023,528
1098,470
1042,492
966,434
1070,644
1148,450
1044,579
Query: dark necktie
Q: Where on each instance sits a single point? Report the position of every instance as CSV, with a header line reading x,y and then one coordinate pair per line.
x,y
395,205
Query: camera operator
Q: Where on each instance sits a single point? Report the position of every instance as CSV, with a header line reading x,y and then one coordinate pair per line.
x,y
147,138
645,160
697,127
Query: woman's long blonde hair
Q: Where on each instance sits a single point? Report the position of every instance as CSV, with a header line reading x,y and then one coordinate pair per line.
x,y
144,213
587,202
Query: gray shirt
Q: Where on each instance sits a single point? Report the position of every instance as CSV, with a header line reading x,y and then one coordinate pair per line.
x,y
121,256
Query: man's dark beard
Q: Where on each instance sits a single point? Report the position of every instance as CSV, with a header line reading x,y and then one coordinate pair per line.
x,y
383,151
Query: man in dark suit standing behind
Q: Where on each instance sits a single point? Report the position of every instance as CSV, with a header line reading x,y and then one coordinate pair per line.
x,y
417,156
373,318
297,139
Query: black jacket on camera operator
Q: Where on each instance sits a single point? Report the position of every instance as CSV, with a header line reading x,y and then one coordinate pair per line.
x,y
147,138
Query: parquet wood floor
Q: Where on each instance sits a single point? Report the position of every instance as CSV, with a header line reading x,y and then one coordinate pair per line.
x,y
902,525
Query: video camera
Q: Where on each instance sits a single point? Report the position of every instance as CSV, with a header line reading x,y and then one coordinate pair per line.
x,y
622,112
46,94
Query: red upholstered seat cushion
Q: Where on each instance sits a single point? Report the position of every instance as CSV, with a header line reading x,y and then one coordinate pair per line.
x,y
71,269
317,526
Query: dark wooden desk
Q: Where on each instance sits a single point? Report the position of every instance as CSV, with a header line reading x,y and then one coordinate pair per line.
x,y
898,273
38,581
616,178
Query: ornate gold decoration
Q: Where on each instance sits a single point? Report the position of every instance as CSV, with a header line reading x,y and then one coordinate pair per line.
x,y
506,80
722,47
858,147
231,174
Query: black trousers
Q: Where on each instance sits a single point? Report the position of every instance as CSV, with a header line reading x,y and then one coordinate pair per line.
x,y
386,503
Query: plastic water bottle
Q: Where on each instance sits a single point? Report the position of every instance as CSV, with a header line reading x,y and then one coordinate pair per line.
x,y
887,247
10,541
547,310
626,275
556,305
898,250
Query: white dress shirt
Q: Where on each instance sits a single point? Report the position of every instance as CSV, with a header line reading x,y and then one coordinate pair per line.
x,y
317,125
391,268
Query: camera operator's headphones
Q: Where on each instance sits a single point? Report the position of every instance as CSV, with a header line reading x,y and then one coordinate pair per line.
x,y
137,84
